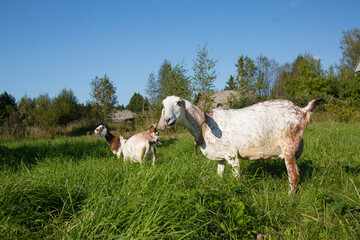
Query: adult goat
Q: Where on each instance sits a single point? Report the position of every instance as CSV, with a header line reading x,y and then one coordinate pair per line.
x,y
266,130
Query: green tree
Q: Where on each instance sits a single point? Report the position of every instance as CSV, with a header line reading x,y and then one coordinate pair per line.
x,y
247,76
268,71
230,84
170,81
180,83
138,104
204,75
43,111
350,45
349,83
7,106
156,87
152,89
278,89
204,71
27,111
103,96
307,80
65,107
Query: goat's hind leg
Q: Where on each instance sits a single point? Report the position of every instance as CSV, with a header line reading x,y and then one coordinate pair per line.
x,y
293,171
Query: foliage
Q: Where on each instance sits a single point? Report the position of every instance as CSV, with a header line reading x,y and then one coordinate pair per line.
x,y
170,81
307,80
7,106
204,71
204,75
43,111
179,84
343,110
237,103
230,84
155,86
153,89
138,104
247,76
350,45
26,111
103,95
278,89
268,71
65,107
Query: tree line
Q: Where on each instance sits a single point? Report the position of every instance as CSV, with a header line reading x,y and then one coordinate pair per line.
x,y
253,79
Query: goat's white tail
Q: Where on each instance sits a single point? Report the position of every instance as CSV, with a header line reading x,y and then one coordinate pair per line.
x,y
313,103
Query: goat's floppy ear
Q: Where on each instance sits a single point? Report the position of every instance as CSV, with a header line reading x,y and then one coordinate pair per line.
x,y
195,112
161,125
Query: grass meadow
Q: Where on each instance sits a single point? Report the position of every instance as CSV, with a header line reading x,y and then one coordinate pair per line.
x,y
75,188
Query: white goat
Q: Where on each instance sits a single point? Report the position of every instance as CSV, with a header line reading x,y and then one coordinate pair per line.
x,y
266,130
114,141
137,147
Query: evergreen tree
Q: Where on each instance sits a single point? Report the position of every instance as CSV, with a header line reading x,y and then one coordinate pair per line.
x,y
138,104
230,84
246,78
7,106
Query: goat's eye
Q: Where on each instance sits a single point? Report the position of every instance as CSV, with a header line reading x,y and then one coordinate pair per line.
x,y
179,103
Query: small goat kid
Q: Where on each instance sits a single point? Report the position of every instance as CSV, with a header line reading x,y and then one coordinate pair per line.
x,y
266,130
138,147
114,141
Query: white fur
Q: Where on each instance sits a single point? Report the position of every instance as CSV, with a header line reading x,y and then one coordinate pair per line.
x,y
267,130
139,146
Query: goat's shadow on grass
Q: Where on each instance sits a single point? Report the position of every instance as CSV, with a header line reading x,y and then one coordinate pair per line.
x,y
12,158
277,169
167,142
42,203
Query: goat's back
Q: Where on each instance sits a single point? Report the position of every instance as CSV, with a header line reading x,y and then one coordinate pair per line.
x,y
136,146
254,132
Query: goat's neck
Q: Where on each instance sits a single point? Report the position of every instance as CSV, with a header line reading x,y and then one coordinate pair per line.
x,y
109,137
194,127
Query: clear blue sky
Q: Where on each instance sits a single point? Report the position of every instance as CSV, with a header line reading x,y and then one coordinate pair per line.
x,y
46,46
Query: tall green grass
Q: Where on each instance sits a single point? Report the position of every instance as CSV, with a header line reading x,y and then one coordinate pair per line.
x,y
75,188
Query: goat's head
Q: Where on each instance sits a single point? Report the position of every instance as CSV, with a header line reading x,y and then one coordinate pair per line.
x,y
152,130
101,131
174,111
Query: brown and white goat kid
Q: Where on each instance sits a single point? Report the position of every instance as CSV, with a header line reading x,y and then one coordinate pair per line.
x,y
138,147
266,130
114,141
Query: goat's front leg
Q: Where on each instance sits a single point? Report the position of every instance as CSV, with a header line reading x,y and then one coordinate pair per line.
x,y
196,148
153,150
221,167
293,171
235,167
